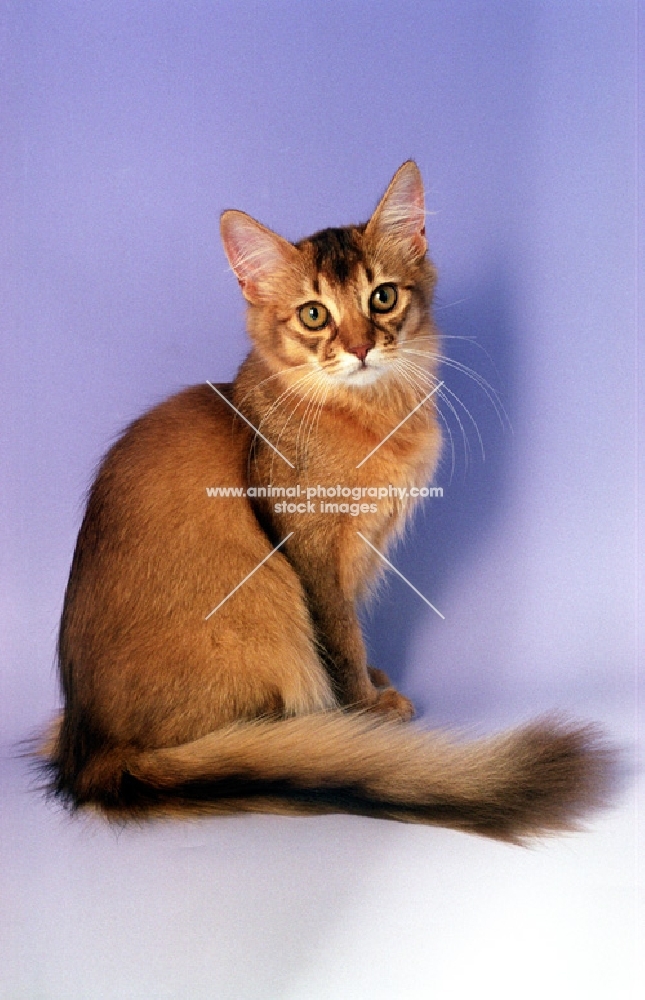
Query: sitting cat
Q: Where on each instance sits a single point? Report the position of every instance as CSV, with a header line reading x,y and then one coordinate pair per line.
x,y
210,653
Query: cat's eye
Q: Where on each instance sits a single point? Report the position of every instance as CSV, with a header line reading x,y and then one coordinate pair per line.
x,y
383,298
313,315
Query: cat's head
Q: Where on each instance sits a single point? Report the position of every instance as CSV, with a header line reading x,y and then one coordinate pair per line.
x,y
342,301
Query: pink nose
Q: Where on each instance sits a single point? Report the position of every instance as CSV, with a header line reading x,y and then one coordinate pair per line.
x,y
360,350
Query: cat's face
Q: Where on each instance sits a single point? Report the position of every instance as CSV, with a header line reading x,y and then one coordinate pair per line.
x,y
342,302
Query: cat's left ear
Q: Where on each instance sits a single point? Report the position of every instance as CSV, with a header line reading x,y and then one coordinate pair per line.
x,y
401,211
259,257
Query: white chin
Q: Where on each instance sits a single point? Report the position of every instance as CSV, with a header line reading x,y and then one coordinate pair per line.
x,y
361,376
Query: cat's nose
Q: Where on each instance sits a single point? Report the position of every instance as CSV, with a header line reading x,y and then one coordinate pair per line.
x,y
360,350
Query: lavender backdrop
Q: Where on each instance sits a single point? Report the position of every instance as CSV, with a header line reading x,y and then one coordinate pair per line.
x,y
126,128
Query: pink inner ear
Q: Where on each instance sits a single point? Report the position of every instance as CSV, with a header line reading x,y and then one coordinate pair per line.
x,y
402,209
254,253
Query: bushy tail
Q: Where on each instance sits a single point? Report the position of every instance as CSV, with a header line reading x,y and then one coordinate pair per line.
x,y
542,777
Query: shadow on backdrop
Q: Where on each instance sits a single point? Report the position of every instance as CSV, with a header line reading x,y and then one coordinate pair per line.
x,y
478,333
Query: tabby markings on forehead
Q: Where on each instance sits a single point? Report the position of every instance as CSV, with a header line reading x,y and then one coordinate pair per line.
x,y
336,252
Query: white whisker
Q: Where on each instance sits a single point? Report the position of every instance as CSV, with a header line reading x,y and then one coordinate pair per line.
x,y
449,392
300,398
484,385
411,376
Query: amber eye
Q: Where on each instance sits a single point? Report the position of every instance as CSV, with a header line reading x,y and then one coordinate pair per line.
x,y
313,315
383,298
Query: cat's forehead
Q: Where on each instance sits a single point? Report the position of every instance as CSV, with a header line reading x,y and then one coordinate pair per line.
x,y
342,258
335,253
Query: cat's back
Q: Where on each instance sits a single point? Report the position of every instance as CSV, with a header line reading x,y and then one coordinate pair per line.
x,y
149,521
193,429
169,457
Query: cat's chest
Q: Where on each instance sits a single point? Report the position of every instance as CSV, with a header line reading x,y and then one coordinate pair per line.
x,y
341,466
378,452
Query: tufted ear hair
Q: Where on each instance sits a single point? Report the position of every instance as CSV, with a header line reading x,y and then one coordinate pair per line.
x,y
258,256
401,211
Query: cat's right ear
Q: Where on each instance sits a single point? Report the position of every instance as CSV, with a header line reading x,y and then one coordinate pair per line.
x,y
258,256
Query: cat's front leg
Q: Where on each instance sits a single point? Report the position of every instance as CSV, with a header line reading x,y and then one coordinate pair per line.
x,y
378,677
390,700
341,644
317,558
339,634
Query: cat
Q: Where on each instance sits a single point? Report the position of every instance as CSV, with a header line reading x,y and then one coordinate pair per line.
x,y
210,654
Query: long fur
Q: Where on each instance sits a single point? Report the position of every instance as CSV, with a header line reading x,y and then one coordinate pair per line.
x,y
540,778
210,652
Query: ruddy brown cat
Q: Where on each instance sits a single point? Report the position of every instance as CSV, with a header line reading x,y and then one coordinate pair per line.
x,y
210,653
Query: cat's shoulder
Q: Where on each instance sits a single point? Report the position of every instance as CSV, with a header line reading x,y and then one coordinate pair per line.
x,y
187,428
197,408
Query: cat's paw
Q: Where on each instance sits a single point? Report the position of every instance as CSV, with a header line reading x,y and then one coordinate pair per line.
x,y
378,677
390,702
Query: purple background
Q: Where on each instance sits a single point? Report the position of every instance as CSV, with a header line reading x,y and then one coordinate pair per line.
x,y
127,127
